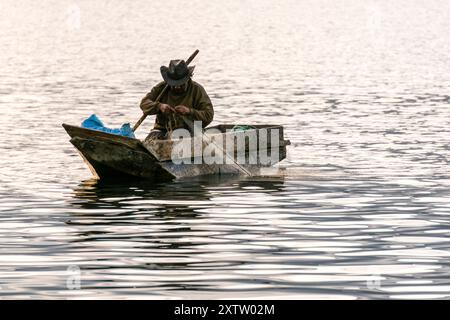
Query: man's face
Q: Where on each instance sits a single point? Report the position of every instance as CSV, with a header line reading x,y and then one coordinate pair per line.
x,y
179,89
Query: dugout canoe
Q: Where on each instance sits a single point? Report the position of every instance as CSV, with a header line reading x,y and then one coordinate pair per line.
x,y
111,156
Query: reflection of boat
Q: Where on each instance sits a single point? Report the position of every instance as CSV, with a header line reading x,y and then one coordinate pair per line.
x,y
165,196
162,213
114,156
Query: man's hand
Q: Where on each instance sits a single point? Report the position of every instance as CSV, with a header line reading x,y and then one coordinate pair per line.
x,y
165,108
183,110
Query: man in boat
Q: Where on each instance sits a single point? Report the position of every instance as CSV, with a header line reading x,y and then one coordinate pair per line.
x,y
184,101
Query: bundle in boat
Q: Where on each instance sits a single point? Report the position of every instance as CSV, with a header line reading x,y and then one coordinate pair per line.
x,y
94,123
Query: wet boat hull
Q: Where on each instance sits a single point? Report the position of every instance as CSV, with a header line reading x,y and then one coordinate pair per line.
x,y
110,156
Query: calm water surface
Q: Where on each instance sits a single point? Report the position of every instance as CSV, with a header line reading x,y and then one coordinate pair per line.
x,y
359,209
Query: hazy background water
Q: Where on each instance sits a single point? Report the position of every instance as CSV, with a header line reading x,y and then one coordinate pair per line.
x,y
360,209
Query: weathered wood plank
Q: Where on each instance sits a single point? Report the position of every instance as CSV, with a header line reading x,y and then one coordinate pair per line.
x,y
80,132
241,142
106,158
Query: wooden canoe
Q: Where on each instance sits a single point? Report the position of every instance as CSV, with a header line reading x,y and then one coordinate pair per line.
x,y
111,156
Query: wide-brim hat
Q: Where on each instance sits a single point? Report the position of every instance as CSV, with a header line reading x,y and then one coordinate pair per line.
x,y
177,74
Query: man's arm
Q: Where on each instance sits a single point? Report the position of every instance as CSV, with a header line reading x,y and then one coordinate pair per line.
x,y
203,108
148,104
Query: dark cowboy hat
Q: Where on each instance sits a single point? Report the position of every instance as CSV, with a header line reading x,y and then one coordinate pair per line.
x,y
177,73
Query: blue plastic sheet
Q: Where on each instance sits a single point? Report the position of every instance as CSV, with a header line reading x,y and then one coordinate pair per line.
x,y
94,123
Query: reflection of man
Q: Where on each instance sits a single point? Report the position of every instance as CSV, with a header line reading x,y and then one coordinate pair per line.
x,y
185,98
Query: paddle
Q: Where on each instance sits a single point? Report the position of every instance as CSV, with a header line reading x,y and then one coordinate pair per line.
x,y
188,61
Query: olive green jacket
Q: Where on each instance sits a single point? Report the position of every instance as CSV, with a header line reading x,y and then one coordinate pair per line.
x,y
195,98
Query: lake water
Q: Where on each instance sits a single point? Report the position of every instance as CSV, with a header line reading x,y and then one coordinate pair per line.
x,y
360,209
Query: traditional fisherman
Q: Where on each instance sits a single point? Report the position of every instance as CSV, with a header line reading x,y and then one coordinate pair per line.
x,y
185,99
